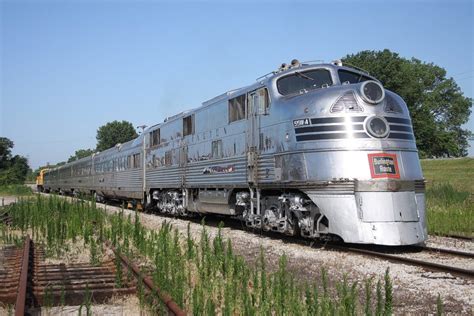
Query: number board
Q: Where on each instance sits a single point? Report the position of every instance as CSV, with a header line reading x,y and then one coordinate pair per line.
x,y
301,122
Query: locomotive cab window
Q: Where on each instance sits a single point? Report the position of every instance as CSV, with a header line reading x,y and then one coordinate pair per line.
x,y
304,81
155,138
237,108
347,77
188,125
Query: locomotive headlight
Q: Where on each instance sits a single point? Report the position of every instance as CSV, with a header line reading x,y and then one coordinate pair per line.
x,y
377,126
372,91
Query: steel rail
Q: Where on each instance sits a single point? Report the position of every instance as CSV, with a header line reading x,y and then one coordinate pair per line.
x,y
411,261
165,297
21,295
447,251
457,237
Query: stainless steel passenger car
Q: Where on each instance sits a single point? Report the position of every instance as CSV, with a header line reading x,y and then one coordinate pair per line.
x,y
320,150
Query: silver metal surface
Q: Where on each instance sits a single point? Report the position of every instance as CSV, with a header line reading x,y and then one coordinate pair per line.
x,y
310,146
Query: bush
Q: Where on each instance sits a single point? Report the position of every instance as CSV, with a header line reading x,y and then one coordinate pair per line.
x,y
15,189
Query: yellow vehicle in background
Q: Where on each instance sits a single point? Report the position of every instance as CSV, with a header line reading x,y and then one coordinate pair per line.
x,y
40,180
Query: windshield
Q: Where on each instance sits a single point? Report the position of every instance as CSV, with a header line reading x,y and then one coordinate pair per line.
x,y
347,77
301,81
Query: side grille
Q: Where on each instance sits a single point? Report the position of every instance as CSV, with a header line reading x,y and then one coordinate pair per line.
x,y
419,186
346,102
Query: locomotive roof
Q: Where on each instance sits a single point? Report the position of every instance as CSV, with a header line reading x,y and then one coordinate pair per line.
x,y
261,81
264,80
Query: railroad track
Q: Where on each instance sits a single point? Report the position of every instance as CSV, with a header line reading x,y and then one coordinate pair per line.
x,y
447,251
367,250
460,237
429,265
362,250
27,281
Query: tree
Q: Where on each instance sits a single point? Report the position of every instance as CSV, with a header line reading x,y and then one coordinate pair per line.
x,y
5,152
14,169
436,103
81,153
113,133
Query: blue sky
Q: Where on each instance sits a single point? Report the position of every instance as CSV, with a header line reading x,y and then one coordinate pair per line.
x,y
68,67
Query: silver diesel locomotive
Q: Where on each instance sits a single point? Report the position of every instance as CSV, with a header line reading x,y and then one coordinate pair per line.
x,y
317,150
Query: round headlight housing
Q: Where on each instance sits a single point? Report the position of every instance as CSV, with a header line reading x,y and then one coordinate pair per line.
x,y
372,91
377,126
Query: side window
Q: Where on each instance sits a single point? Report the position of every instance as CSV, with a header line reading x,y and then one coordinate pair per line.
x,y
188,125
129,162
168,158
217,149
155,138
237,108
136,161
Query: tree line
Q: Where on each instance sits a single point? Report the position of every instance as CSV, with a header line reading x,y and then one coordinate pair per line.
x,y
437,106
107,136
13,169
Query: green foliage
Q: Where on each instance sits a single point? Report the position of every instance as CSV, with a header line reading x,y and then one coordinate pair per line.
x,y
449,211
5,152
436,103
79,154
368,297
13,169
388,294
457,172
15,189
439,306
379,302
449,196
113,133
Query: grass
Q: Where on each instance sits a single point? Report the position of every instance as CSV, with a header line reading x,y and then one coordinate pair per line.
x,y
203,275
450,196
459,173
15,189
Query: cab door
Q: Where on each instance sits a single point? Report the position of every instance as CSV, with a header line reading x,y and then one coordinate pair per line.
x,y
257,104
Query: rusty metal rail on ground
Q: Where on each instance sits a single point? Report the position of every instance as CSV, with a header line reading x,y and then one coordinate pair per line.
x,y
411,261
21,295
165,298
14,275
27,280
